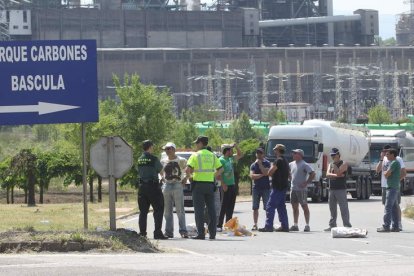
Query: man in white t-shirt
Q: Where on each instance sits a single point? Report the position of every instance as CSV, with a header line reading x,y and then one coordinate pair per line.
x,y
383,166
174,179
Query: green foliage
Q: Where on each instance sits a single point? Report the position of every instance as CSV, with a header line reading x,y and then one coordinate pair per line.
x,y
248,148
144,112
200,113
214,138
242,129
387,42
379,115
274,116
184,134
24,165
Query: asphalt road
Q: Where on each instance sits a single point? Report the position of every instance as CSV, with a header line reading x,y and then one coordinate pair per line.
x,y
294,253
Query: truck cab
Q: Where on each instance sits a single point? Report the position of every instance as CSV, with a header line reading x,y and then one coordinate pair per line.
x,y
306,138
400,140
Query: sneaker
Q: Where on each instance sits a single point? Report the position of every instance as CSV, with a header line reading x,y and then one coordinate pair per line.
x,y
395,230
219,229
294,228
383,230
306,229
198,237
281,229
170,236
212,237
264,229
184,235
254,228
160,237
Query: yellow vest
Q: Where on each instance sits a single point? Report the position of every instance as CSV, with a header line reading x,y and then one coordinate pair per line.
x,y
204,163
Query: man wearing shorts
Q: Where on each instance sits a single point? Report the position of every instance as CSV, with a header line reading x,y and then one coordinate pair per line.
x,y
301,175
261,185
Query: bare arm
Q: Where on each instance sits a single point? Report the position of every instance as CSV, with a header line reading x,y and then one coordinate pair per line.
x,y
238,154
378,168
403,173
272,169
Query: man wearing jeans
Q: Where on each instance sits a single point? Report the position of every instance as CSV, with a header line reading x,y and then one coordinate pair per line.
x,y
336,173
261,188
391,199
280,174
173,176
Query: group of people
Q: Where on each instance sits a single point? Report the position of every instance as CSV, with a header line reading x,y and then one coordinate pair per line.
x,y
207,173
273,196
271,181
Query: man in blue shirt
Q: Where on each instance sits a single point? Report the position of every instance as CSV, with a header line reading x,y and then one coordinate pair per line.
x,y
261,188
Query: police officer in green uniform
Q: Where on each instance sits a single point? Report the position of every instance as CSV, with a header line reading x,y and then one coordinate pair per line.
x,y
149,193
205,167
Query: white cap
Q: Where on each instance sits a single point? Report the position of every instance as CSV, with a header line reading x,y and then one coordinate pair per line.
x,y
169,145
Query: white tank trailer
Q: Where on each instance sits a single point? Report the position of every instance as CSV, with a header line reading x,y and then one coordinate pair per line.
x,y
317,138
401,140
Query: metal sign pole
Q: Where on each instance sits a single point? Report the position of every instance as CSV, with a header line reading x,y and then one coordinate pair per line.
x,y
111,147
84,172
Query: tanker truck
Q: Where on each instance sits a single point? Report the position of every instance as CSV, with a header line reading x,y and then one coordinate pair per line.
x,y
401,140
316,138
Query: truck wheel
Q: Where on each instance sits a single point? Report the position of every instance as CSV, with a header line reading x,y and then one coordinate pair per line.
x,y
317,197
363,188
369,187
358,189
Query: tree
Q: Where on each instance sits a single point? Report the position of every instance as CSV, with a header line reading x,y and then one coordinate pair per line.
x,y
184,134
144,112
200,113
24,164
274,116
388,42
242,129
379,115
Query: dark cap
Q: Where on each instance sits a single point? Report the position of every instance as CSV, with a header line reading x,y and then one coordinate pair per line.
x,y
203,139
260,150
386,147
147,144
334,151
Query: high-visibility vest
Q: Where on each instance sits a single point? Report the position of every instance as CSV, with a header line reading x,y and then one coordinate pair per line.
x,y
204,164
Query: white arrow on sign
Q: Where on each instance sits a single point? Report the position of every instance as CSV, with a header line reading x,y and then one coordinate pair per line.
x,y
41,108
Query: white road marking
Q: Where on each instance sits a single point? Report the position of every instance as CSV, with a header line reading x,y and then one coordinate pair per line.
x,y
404,246
360,240
344,253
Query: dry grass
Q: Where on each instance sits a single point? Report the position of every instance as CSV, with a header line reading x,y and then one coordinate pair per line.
x,y
64,216
409,210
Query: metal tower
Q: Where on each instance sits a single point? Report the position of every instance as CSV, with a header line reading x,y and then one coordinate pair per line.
x,y
410,103
340,114
210,90
381,87
317,87
282,92
228,103
219,88
396,107
353,97
265,93
190,99
253,101
299,93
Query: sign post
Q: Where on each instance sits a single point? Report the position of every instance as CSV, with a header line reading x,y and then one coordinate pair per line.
x,y
111,157
50,82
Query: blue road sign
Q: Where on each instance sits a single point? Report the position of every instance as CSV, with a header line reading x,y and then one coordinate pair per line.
x,y
47,82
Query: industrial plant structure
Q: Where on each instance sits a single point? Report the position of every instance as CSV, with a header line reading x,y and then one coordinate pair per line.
x,y
234,56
